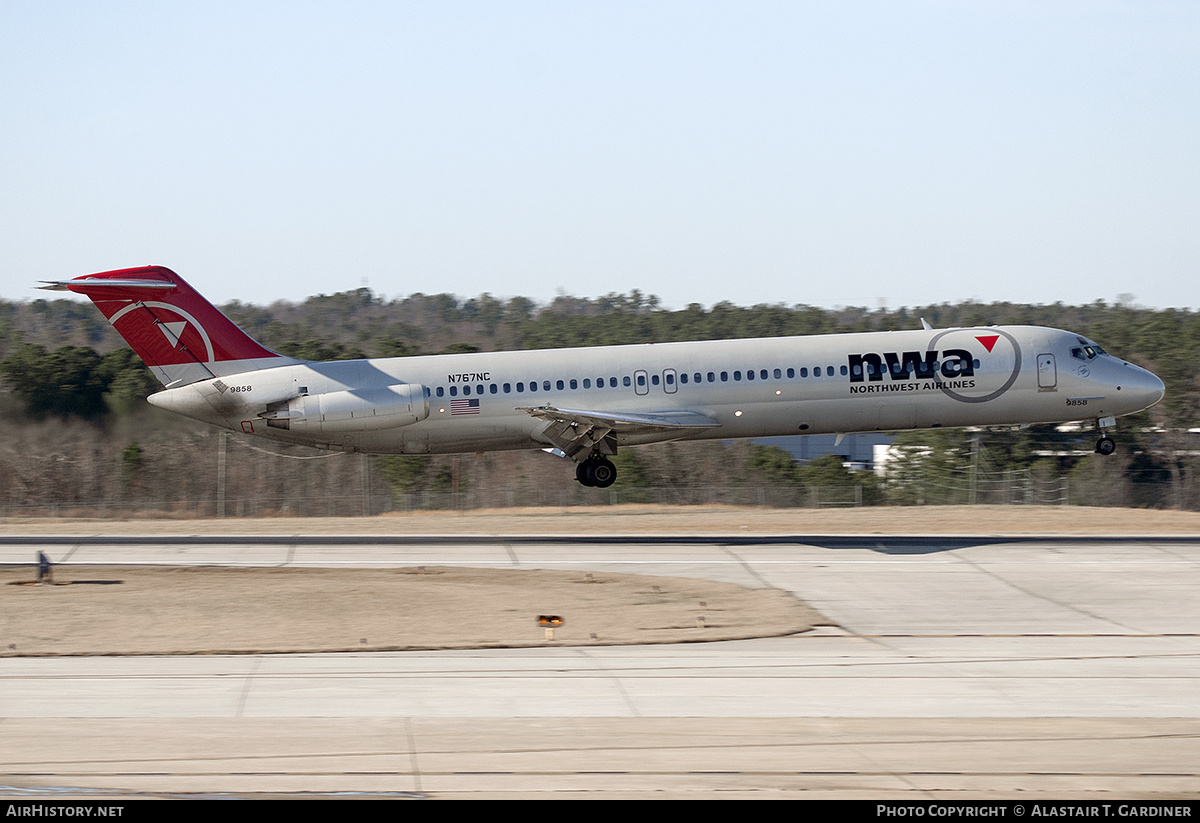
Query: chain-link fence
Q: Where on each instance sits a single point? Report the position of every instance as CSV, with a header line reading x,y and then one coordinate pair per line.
x,y
212,474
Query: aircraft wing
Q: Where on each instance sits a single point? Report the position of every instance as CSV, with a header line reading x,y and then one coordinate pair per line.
x,y
578,430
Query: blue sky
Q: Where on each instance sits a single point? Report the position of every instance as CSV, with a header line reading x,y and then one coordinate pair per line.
x,y
848,153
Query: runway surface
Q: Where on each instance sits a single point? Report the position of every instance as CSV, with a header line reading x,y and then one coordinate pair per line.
x,y
959,667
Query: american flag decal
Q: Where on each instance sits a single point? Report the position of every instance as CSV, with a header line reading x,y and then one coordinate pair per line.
x,y
464,406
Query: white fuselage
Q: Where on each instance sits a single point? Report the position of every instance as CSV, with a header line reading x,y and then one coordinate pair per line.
x,y
751,388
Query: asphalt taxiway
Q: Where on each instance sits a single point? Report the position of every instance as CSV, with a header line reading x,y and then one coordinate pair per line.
x,y
953,667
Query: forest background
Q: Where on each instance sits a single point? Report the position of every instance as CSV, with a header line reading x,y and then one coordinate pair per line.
x,y
78,438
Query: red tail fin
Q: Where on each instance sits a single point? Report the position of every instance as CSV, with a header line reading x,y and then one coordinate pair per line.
x,y
180,335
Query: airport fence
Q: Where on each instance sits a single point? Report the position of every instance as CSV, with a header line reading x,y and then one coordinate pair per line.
x,y
361,502
185,482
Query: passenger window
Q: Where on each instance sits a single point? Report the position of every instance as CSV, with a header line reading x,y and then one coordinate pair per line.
x,y
804,372
587,382
559,385
724,377
712,378
778,374
508,388
683,378
654,379
454,391
441,391
791,373
493,388
625,381
749,374
612,382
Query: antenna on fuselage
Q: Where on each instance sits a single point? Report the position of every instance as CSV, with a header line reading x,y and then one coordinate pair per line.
x,y
925,325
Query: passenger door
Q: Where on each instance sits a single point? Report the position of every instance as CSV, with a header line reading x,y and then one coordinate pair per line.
x,y
1047,373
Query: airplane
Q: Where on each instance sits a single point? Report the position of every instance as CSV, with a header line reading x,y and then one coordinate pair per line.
x,y
585,403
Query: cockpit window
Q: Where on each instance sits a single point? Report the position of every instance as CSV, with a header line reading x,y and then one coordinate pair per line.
x,y
1087,348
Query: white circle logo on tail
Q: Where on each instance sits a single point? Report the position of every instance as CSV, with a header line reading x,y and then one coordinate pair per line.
x,y
172,330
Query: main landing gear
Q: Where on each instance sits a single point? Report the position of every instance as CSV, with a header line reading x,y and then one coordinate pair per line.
x,y
1105,445
596,471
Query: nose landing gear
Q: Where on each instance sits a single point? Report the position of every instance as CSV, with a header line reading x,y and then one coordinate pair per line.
x,y
596,471
1105,445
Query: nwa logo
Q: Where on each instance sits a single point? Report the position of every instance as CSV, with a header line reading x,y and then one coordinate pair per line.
x,y
954,363
951,371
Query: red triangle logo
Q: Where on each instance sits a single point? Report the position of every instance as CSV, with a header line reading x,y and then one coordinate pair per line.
x,y
988,341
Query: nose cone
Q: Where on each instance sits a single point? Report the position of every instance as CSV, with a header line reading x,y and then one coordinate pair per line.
x,y
1159,389
1141,388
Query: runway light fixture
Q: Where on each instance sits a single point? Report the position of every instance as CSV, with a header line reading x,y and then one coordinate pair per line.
x,y
549,622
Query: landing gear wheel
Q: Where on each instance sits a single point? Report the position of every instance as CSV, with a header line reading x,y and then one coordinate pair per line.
x,y
596,471
1106,445
604,473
